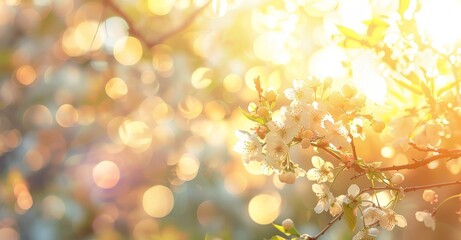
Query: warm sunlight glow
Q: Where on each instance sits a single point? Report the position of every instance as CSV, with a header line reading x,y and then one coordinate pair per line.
x,y
440,22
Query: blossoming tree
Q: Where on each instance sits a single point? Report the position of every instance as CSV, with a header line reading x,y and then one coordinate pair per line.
x,y
320,116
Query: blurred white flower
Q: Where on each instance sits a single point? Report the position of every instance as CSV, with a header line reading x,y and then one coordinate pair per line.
x,y
353,196
430,196
280,128
427,218
322,171
356,128
316,115
366,234
371,215
324,196
296,116
389,219
397,178
299,93
335,208
276,148
249,146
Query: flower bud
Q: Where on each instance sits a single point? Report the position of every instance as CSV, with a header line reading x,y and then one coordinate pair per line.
x,y
308,134
430,196
305,236
263,112
271,95
287,177
313,82
305,143
287,224
397,179
327,82
336,99
348,91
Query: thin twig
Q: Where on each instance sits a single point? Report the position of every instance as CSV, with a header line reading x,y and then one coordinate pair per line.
x,y
354,152
449,154
413,188
327,226
134,32
131,29
186,23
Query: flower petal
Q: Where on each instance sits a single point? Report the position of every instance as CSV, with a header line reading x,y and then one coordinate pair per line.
x,y
420,215
317,188
401,221
429,222
313,174
317,161
353,190
320,207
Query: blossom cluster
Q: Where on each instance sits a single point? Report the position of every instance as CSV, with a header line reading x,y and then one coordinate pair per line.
x,y
317,115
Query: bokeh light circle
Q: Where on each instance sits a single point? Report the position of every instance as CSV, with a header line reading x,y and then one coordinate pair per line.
x,y
158,201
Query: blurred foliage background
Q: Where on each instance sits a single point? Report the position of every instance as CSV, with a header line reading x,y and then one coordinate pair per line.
x,y
117,117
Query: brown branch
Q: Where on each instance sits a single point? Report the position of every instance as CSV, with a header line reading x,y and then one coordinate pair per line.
x,y
327,227
423,162
136,33
449,154
325,148
354,152
413,188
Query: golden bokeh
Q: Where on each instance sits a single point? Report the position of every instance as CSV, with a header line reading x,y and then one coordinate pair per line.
x,y
161,7
128,51
116,88
135,134
158,201
264,208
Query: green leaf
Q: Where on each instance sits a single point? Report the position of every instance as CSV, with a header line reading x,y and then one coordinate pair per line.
x,y
351,219
289,232
252,118
403,6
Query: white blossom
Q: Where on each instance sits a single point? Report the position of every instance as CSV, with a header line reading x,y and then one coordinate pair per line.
x,y
335,208
389,219
280,128
426,218
322,171
324,196
366,234
371,215
249,146
299,93
276,148
353,195
296,116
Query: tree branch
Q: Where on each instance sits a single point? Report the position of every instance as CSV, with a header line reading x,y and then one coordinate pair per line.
x,y
444,153
327,227
413,188
134,32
